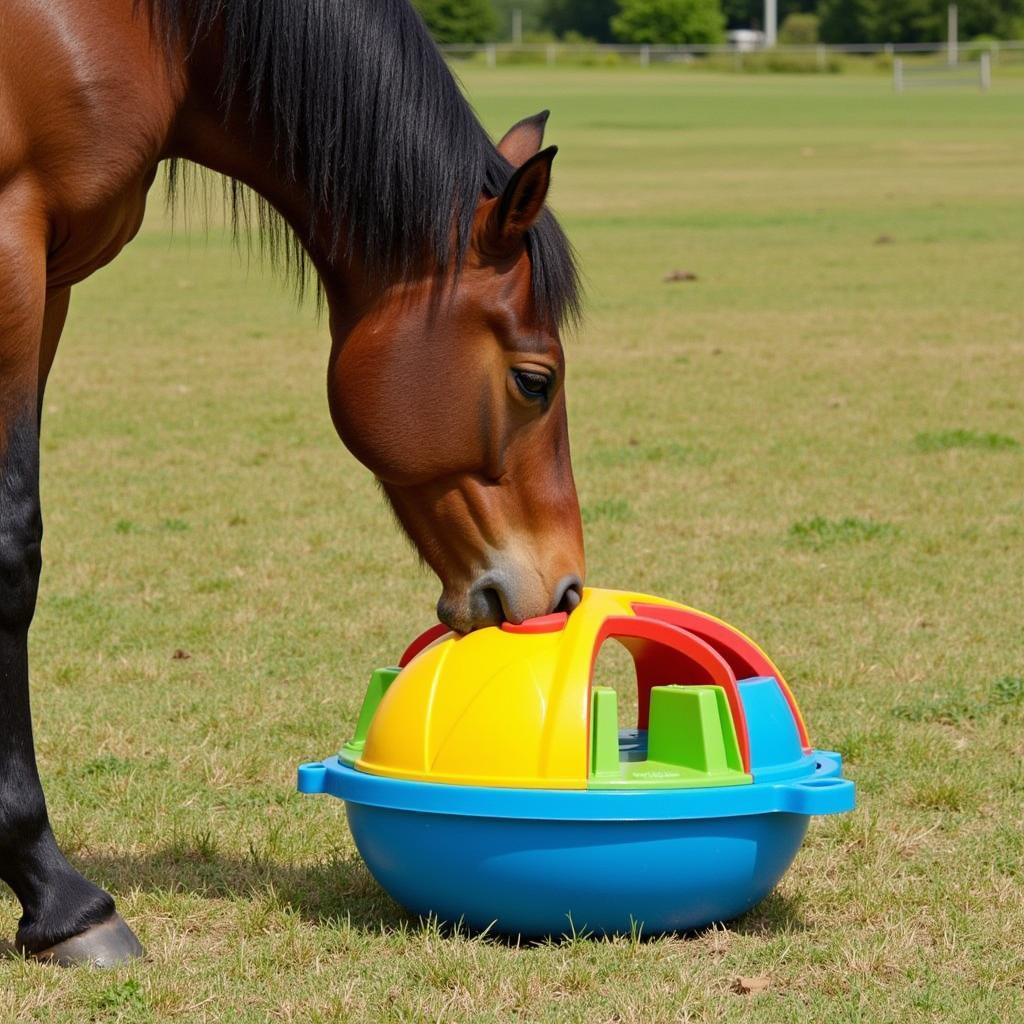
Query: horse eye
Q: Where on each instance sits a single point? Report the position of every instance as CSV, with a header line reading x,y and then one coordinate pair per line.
x,y
532,385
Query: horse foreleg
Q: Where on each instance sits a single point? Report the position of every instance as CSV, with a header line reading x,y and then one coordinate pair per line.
x,y
65,918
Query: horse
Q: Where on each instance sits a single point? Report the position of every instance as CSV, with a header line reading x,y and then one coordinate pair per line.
x,y
446,280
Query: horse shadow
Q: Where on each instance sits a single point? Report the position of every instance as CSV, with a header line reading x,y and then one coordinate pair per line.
x,y
336,890
340,891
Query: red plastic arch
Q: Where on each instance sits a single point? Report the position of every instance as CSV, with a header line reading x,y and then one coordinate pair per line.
x,y
742,656
665,654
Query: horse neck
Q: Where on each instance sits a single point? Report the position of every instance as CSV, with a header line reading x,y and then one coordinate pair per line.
x,y
244,150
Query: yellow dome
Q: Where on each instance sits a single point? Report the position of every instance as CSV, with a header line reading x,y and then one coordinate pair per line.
x,y
512,706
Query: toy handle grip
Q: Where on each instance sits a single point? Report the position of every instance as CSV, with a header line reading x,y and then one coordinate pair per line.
x,y
422,642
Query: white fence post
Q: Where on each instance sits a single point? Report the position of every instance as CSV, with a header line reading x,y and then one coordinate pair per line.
x,y
985,71
953,35
897,74
492,55
552,54
821,52
645,55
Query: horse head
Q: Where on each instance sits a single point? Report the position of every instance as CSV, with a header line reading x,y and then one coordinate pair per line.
x,y
452,393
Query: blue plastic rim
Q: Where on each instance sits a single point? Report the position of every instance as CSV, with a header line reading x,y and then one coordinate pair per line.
x,y
552,862
823,791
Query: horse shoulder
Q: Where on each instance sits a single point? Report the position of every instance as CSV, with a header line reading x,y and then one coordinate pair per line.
x,y
89,113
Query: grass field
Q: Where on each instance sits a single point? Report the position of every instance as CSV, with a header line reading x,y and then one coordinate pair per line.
x,y
820,439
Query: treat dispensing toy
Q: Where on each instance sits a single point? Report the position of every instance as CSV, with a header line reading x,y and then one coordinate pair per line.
x,y
488,780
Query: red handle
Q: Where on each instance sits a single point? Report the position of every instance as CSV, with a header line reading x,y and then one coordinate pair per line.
x,y
665,654
423,641
743,656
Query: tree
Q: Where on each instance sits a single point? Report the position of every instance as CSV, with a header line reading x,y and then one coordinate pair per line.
x,y
845,21
590,18
1000,18
913,21
669,21
459,21
799,30
882,21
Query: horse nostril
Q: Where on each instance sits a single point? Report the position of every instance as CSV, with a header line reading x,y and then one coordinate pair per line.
x,y
568,594
487,607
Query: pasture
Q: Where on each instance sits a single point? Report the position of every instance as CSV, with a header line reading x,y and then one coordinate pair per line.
x,y
820,439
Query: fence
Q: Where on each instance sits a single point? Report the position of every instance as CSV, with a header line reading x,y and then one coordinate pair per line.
x,y
821,56
973,74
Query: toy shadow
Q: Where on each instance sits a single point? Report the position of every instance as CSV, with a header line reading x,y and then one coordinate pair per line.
x,y
339,890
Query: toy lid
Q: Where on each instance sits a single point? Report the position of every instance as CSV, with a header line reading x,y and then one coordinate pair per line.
x,y
515,706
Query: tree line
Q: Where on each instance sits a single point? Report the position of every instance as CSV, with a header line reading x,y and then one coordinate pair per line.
x,y
706,21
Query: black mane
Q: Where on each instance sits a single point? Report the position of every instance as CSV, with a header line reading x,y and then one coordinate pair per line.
x,y
365,112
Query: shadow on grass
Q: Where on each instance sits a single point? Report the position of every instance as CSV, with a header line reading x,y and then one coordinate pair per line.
x,y
328,892
340,889
775,914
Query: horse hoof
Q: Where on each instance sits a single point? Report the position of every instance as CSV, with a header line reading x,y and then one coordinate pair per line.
x,y
103,945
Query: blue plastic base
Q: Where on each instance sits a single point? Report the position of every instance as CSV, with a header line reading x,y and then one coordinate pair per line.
x,y
537,878
553,862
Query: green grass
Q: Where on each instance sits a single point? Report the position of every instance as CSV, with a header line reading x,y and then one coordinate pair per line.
x,y
943,440
220,576
820,532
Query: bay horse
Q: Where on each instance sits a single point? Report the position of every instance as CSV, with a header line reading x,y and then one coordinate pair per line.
x,y
445,277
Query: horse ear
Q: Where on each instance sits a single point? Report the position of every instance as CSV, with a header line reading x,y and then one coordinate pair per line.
x,y
513,213
524,139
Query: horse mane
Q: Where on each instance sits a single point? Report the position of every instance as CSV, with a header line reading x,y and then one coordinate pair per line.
x,y
365,112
